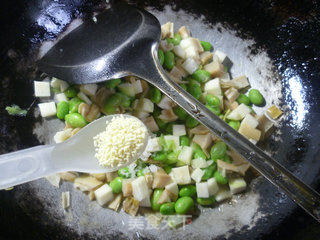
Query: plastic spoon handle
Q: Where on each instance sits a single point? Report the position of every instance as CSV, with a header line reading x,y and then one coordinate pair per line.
x,y
25,165
298,191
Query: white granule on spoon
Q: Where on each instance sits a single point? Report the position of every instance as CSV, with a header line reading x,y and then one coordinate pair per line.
x,y
120,142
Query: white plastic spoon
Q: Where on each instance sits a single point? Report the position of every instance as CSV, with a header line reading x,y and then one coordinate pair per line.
x,y
75,154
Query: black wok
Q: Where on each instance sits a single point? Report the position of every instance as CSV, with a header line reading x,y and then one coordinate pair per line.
x,y
287,32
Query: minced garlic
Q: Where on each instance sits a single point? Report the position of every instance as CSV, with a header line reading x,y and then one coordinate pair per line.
x,y
120,142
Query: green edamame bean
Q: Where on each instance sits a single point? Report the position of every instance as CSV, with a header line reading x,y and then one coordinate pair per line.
x,y
201,75
116,185
198,152
75,120
125,100
213,101
220,179
124,172
172,157
218,150
70,92
159,156
169,128
168,60
215,110
206,45
206,201
226,158
234,124
184,141
155,95
191,122
74,104
256,97
184,205
62,109
194,89
154,199
113,83
243,99
112,103
140,173
160,56
175,40
161,124
188,191
180,112
208,172
167,208
167,169
184,86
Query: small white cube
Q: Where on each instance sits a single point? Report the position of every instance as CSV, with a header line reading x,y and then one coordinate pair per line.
x,y
199,163
147,106
89,89
103,194
173,188
41,89
153,145
55,83
179,130
63,85
47,109
213,87
140,188
239,113
197,174
221,55
181,175
61,97
202,190
176,139
186,155
250,120
84,97
212,186
190,65
137,87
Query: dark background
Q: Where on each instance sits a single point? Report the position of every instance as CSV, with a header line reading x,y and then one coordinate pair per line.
x,y
288,30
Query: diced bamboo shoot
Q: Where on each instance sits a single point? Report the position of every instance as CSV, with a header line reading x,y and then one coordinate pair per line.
x,y
190,65
160,180
127,187
198,163
41,89
274,112
239,113
87,183
140,188
197,174
103,194
186,155
167,30
250,120
47,109
202,190
151,124
249,132
89,89
181,175
215,69
179,130
166,103
184,32
204,141
115,203
164,197
222,194
213,87
212,186
131,206
205,57
237,185
231,94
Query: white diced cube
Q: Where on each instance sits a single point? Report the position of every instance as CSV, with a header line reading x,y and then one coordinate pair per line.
x,y
197,174
221,55
237,185
199,163
250,120
65,200
209,162
84,97
61,136
55,83
165,103
190,65
137,87
89,89
179,130
202,190
175,139
212,186
181,175
147,105
204,141
140,188
47,109
145,202
192,52
153,145
213,87
222,194
179,51
103,194
61,97
186,155
173,188
239,113
41,89
63,85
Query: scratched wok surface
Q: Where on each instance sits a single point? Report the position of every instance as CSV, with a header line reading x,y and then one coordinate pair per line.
x,y
275,43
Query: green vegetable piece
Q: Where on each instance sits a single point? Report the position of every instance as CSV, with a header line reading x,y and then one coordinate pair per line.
x,y
206,45
175,40
159,156
206,201
218,150
116,185
256,97
184,205
15,110
194,89
167,208
160,56
213,101
198,152
124,172
226,158
62,109
184,86
234,124
180,112
191,122
112,103
172,157
74,104
220,179
188,191
169,128
155,95
243,99
75,120
161,124
201,75
167,169
168,60
208,172
140,173
125,100
113,83
154,199
184,141
71,92
215,110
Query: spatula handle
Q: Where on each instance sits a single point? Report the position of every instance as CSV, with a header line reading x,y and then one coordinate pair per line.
x,y
25,165
298,191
